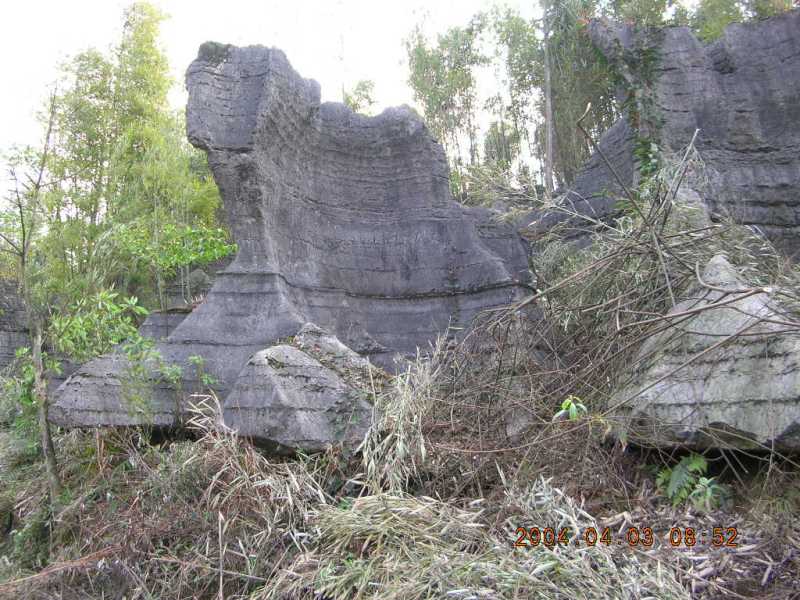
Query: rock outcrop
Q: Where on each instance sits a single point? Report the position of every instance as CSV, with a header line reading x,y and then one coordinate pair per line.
x,y
340,219
741,92
159,324
693,386
13,322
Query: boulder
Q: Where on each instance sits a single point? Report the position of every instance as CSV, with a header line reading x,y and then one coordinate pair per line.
x,y
340,219
306,395
104,393
690,386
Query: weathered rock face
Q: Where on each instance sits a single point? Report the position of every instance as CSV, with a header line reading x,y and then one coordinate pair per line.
x,y
742,92
307,395
13,322
160,324
743,394
341,220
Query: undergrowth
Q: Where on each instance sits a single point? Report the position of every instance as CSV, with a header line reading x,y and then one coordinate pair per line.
x,y
506,428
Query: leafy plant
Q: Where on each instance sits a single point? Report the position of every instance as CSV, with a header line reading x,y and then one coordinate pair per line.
x,y
361,98
708,494
94,325
176,246
137,377
206,379
678,482
571,408
687,481
20,404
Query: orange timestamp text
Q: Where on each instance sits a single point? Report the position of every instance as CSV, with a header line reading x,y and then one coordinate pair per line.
x,y
677,537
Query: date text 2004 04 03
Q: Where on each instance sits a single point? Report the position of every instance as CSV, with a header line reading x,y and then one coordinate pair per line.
x,y
687,537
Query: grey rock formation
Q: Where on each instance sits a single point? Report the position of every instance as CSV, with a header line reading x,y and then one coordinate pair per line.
x,y
743,394
340,219
317,342
159,324
13,322
102,393
307,396
742,92
594,192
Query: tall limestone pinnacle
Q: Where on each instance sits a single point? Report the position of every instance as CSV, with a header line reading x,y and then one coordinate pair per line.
x,y
341,220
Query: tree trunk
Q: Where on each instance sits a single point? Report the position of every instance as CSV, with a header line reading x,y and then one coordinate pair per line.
x,y
40,393
548,104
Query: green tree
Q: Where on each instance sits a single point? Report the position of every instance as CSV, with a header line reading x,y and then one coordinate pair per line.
x,y
762,9
166,217
21,224
501,144
646,13
578,76
711,17
122,161
114,198
77,328
360,99
443,79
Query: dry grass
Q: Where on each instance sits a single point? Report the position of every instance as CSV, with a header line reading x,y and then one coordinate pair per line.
x,y
463,450
402,547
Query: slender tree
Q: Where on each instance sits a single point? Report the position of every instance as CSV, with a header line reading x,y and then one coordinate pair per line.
x,y
22,228
548,103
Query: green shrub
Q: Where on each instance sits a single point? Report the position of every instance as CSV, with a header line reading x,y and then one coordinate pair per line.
x,y
687,481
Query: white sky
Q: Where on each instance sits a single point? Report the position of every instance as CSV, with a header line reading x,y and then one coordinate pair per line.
x,y
335,42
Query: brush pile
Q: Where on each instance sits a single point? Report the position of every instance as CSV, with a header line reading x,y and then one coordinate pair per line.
x,y
509,428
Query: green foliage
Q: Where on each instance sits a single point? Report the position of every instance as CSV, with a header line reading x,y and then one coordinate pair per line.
x,y
30,544
762,9
443,76
207,381
501,144
687,481
94,325
20,405
174,246
19,410
711,17
708,494
360,99
647,155
647,13
137,380
443,79
678,482
133,201
571,408
578,77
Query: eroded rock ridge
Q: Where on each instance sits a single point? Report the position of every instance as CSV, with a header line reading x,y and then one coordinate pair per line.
x,y
342,220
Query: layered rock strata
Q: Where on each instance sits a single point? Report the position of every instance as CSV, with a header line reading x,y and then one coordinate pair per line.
x,y
726,374
342,220
742,92
13,322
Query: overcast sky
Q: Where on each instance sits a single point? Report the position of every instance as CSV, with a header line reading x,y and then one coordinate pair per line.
x,y
335,42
